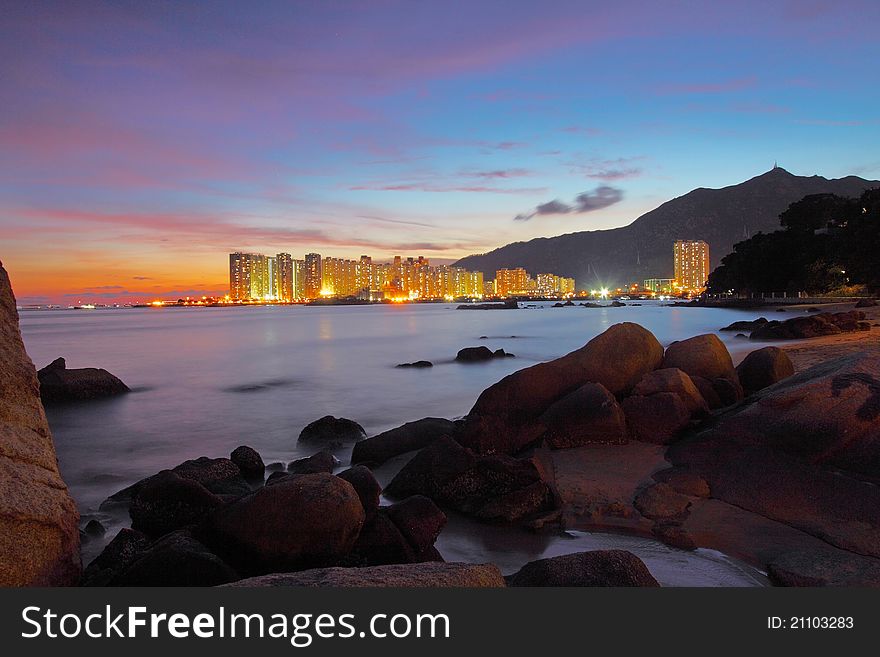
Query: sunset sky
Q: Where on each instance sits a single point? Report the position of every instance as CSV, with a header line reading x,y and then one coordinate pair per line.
x,y
140,142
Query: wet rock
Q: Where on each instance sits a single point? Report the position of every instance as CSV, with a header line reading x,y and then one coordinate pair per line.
x,y
119,553
661,502
277,476
763,368
220,476
302,522
407,438
39,523
366,486
421,575
380,542
276,467
419,520
167,501
674,536
323,461
489,487
746,325
505,416
419,364
596,568
590,414
677,382
477,354
703,355
813,326
332,432
249,462
659,418
177,559
59,384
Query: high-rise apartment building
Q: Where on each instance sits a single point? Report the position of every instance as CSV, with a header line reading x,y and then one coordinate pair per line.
x,y
313,276
691,260
299,279
284,277
251,276
512,282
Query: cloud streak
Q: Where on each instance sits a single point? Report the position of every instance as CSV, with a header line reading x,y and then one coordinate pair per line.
x,y
601,197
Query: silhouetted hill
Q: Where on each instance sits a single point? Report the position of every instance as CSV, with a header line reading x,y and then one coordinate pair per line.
x,y
643,249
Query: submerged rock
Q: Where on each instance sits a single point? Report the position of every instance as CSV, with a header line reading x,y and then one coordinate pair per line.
x,y
746,325
419,364
59,384
596,568
407,438
474,354
332,432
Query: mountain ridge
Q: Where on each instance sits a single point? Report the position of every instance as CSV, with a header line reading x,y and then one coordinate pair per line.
x,y
643,249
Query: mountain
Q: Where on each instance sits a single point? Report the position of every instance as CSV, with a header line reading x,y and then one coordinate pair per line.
x,y
643,249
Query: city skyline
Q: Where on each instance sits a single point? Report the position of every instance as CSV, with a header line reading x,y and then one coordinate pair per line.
x,y
137,141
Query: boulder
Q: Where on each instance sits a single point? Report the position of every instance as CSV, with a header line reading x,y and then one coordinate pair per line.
x,y
167,501
177,559
39,522
407,438
673,380
657,418
118,554
380,542
729,391
421,575
702,355
322,461
220,476
332,432
366,486
490,487
813,326
708,392
763,368
587,415
59,384
661,502
505,417
474,354
596,568
419,520
249,462
301,522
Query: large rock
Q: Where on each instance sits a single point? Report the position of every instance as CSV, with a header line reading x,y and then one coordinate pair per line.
x,y
177,559
366,486
702,355
39,533
505,416
673,380
707,390
421,575
657,418
322,461
492,487
301,522
332,432
813,326
763,368
474,354
407,438
117,555
590,414
167,502
597,568
59,384
419,520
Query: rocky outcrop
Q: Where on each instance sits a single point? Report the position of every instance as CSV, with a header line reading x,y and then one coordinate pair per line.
x,y
332,432
59,384
763,368
505,416
422,575
597,568
407,438
814,326
39,534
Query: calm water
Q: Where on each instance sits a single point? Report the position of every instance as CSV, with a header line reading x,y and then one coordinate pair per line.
x,y
206,380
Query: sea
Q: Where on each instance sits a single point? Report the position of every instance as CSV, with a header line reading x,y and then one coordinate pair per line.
x,y
205,380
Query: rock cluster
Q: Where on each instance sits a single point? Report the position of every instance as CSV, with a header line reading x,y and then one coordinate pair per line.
x,y
813,326
481,353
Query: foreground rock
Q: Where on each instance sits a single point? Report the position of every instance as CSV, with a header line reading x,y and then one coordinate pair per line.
x,y
322,461
407,438
493,487
505,418
588,415
813,326
39,534
598,568
702,355
177,559
658,418
332,432
301,522
433,575
249,463
167,502
763,368
677,382
59,384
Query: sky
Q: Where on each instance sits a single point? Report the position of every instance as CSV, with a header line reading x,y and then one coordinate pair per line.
x,y
141,142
